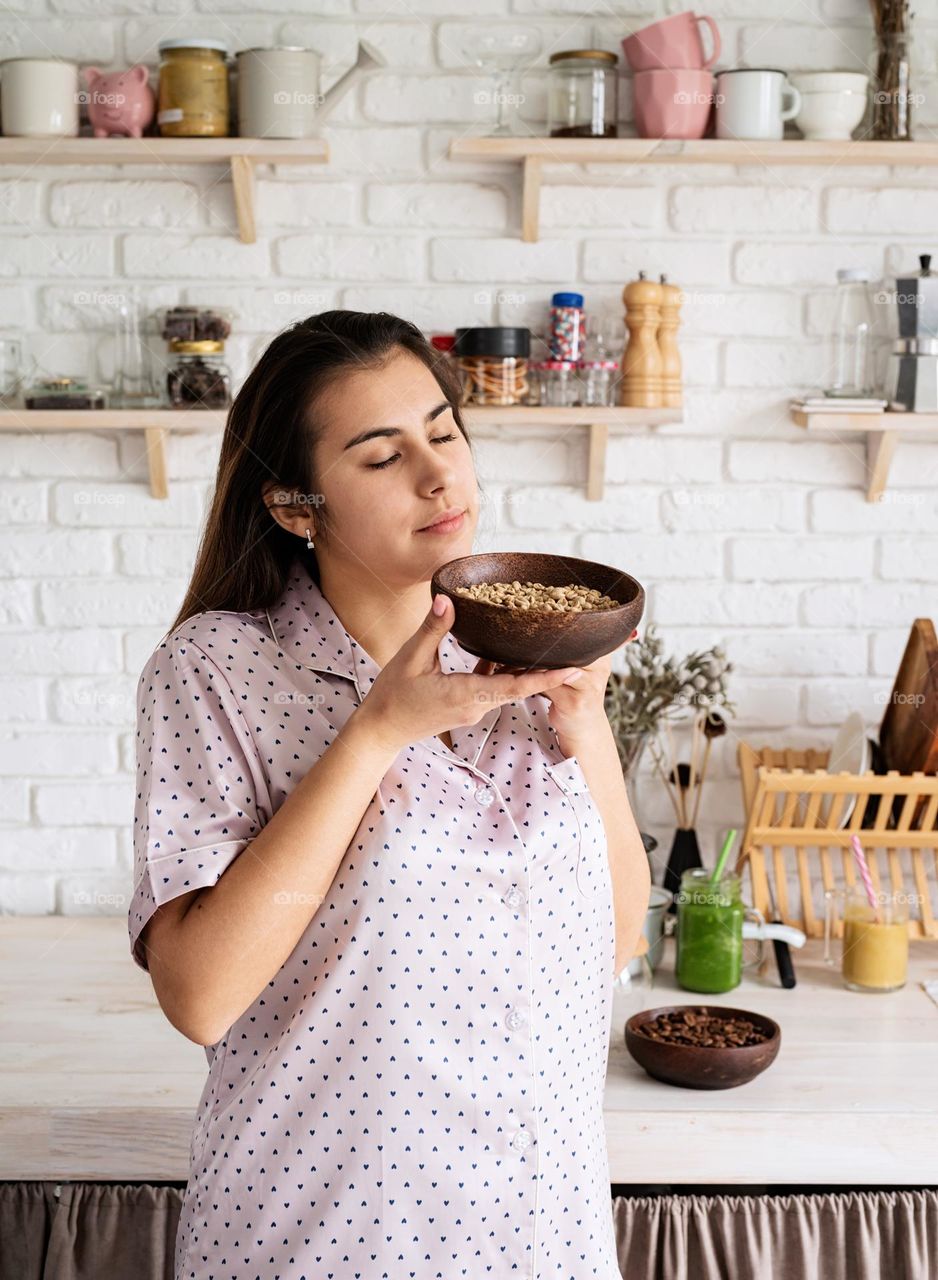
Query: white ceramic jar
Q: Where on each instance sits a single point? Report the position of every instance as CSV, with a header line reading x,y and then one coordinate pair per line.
x,y
39,98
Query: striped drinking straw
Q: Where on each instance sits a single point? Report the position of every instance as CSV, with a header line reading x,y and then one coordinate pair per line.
x,y
863,868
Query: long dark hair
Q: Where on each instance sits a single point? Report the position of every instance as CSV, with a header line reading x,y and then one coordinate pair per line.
x,y
244,555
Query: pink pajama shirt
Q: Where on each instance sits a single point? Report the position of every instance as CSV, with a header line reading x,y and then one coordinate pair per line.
x,y
418,1091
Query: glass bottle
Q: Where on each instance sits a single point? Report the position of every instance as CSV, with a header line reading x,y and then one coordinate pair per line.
x,y
852,338
892,94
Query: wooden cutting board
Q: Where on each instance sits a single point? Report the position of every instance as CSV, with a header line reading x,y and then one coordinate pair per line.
x,y
908,734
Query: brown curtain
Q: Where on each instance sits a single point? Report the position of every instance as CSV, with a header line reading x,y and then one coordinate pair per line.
x,y
102,1232
856,1235
88,1232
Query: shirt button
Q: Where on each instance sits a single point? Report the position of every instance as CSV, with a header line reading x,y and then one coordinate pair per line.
x,y
485,795
521,1141
513,898
514,1019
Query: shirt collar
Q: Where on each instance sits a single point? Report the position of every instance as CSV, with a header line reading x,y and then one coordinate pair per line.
x,y
307,629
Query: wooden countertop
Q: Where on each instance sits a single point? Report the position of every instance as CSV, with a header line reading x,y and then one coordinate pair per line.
x,y
96,1084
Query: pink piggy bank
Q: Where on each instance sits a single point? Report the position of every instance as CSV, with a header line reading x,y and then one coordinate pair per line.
x,y
119,102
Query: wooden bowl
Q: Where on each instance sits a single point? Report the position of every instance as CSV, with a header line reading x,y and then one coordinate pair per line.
x,y
539,638
699,1067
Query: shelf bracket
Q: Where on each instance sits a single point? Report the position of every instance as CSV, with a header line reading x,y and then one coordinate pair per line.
x,y
880,447
596,466
242,181
156,460
531,198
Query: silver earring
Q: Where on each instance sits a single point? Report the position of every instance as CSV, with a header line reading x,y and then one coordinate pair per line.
x,y
309,540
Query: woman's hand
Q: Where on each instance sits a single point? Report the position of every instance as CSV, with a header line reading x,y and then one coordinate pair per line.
x,y
575,709
413,698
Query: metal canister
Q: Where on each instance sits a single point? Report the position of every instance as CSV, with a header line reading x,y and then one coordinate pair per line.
x,y
278,92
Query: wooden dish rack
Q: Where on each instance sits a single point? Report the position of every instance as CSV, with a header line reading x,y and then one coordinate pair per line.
x,y
793,834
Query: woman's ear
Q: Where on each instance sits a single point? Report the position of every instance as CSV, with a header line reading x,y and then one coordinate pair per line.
x,y
286,507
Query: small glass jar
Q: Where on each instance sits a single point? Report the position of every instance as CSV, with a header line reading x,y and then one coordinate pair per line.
x,y
558,383
851,354
582,94
567,326
193,89
709,932
64,393
493,365
597,379
197,376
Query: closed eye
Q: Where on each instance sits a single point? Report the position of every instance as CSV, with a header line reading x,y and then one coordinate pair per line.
x,y
377,466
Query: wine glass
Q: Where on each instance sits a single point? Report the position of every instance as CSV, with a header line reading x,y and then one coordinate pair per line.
x,y
504,52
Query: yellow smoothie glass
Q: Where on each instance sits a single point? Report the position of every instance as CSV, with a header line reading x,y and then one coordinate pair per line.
x,y
875,952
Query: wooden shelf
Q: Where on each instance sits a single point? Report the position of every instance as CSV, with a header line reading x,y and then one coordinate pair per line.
x,y
241,154
156,424
882,432
533,153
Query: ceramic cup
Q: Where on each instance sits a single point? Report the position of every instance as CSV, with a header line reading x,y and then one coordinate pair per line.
x,y
832,103
751,103
672,42
672,103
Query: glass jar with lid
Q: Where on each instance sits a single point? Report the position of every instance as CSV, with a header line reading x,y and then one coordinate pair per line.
x,y
597,380
64,393
493,364
193,89
197,375
582,94
558,383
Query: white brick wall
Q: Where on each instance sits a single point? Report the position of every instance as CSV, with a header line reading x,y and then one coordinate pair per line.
x,y
744,530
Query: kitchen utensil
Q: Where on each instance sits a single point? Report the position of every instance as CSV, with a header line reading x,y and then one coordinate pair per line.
x,y
539,638
832,103
279,89
908,734
751,103
642,379
912,369
702,1067
673,42
786,970
672,102
39,98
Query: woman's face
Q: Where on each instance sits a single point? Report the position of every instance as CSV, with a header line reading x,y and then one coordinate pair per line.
x,y
391,460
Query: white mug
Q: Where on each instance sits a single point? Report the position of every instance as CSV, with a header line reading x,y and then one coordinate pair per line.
x,y
751,103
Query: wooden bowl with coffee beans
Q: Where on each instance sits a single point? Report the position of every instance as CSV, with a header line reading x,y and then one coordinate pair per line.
x,y
700,1046
524,609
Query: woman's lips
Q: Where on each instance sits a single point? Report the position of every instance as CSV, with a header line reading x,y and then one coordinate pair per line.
x,y
446,526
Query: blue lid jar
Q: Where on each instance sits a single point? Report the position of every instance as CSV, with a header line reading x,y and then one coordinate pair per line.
x,y
567,300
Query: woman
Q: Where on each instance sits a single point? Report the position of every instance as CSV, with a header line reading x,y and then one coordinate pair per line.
x,y
371,878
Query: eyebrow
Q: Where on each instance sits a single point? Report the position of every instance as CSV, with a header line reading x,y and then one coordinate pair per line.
x,y
395,431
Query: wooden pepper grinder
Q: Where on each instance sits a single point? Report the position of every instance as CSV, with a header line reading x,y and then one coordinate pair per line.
x,y
671,386
641,385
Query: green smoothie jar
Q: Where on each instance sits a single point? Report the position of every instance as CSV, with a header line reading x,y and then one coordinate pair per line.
x,y
710,932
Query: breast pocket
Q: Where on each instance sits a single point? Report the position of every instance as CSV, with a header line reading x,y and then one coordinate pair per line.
x,y
592,862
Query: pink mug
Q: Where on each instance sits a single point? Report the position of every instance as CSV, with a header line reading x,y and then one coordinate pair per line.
x,y
672,42
672,102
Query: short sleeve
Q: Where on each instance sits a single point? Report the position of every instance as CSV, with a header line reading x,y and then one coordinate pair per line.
x,y
201,793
